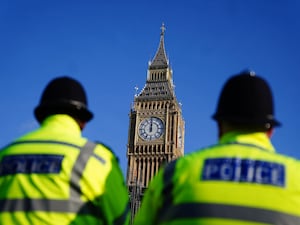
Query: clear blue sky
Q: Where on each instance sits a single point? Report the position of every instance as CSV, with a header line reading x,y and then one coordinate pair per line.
x,y
107,45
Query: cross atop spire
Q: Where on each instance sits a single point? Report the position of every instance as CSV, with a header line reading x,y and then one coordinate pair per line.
x,y
163,28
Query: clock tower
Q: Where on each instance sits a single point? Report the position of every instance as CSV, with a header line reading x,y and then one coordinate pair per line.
x,y
156,127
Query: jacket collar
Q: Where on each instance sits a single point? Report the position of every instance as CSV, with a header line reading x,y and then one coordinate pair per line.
x,y
259,139
62,122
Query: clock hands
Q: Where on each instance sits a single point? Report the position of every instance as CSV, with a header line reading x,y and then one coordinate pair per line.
x,y
151,122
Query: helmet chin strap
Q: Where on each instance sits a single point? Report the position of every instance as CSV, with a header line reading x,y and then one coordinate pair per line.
x,y
270,132
81,124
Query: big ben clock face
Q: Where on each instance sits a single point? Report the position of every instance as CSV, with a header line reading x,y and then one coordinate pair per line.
x,y
151,128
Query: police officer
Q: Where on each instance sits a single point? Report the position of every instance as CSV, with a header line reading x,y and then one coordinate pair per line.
x,y
239,180
53,175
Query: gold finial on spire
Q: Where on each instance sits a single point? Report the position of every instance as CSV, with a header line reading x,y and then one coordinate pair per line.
x,y
163,28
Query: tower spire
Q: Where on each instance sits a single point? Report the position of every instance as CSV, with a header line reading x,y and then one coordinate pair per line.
x,y
160,60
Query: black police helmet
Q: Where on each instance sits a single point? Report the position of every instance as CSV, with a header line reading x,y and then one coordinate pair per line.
x,y
63,95
246,99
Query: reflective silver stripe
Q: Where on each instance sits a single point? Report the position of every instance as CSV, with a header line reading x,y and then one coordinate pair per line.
x,y
78,168
46,205
222,211
41,142
85,154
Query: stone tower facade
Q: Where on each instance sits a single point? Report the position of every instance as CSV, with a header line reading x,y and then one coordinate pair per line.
x,y
156,127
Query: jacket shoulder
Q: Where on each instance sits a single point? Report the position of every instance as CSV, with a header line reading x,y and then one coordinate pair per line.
x,y
107,148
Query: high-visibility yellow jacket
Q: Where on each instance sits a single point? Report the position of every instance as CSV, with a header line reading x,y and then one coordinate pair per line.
x,y
241,180
54,176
